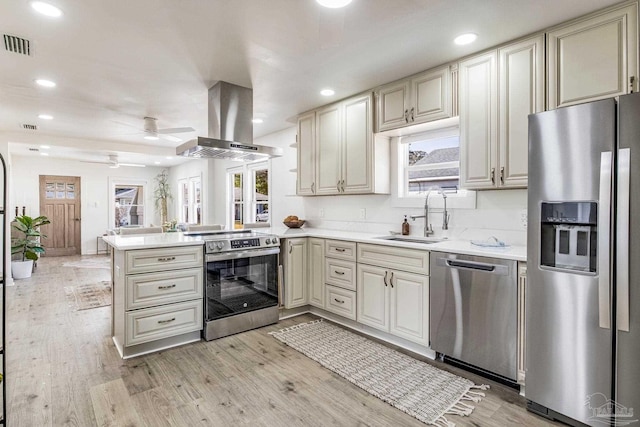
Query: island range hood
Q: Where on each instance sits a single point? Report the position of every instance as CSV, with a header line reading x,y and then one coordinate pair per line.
x,y
230,137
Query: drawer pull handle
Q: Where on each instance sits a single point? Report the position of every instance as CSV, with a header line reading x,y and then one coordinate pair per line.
x,y
165,259
338,301
339,272
340,249
167,321
167,286
385,278
391,279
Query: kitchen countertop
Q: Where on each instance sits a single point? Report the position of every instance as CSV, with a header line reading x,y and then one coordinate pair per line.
x,y
463,247
148,241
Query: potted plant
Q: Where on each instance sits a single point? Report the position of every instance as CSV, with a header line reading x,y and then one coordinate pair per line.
x,y
28,246
162,194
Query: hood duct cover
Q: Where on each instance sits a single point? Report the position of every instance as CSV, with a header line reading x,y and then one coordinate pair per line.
x,y
230,128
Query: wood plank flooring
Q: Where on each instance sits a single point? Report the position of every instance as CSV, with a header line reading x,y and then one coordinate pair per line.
x,y
63,370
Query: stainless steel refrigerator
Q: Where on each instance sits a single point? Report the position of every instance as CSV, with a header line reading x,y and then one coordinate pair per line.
x,y
583,263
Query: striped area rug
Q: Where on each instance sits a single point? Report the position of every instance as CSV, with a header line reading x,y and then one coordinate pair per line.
x,y
417,388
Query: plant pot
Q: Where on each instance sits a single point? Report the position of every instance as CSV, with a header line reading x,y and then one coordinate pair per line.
x,y
21,269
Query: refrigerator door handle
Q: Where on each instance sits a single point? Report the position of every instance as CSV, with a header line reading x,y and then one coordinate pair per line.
x,y
622,240
604,235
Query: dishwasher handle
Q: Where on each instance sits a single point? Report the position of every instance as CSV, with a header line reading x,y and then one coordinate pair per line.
x,y
482,267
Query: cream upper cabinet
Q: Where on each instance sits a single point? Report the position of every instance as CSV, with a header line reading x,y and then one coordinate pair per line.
x,y
347,157
316,272
498,91
421,98
521,92
478,120
306,144
296,272
593,57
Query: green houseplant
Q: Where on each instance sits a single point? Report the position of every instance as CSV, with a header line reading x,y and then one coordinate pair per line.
x,y
27,246
162,194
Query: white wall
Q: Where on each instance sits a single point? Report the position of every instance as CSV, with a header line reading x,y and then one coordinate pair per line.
x,y
24,191
497,213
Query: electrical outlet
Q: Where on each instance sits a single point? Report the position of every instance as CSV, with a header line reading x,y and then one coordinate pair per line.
x,y
363,213
524,218
321,213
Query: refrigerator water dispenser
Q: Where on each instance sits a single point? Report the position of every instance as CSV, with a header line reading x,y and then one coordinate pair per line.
x,y
568,233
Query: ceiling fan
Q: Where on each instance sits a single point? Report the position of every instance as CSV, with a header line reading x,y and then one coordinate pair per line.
x,y
114,163
151,131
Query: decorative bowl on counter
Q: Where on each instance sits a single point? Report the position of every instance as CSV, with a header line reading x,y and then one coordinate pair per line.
x,y
294,224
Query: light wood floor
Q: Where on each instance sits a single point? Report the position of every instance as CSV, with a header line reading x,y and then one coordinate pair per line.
x,y
63,369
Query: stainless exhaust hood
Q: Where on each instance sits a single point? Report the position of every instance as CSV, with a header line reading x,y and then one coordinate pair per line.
x,y
230,128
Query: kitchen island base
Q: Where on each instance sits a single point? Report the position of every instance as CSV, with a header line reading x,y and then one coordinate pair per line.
x,y
158,345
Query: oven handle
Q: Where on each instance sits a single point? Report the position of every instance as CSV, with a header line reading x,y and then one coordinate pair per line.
x,y
242,254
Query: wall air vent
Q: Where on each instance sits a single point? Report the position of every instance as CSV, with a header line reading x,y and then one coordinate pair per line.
x,y
29,127
17,45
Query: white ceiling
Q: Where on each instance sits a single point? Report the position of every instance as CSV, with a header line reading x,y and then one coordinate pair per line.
x,y
118,61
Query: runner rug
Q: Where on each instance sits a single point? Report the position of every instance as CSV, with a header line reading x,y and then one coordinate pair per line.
x,y
427,393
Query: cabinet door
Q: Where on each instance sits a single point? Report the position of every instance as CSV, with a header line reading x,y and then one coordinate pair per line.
x,y
373,297
357,145
593,58
521,87
328,143
478,121
316,272
430,96
306,154
392,105
296,273
409,306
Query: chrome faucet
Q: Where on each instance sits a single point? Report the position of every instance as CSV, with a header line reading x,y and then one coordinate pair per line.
x,y
428,229
445,214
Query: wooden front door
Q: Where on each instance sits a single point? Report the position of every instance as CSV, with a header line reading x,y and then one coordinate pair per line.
x,y
60,202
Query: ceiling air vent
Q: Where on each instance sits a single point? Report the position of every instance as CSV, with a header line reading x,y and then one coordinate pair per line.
x,y
17,45
34,149
29,127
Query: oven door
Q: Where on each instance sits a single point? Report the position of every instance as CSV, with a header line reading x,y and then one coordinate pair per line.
x,y
239,282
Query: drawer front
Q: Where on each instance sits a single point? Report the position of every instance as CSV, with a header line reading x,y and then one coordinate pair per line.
x,y
340,301
149,289
151,324
340,273
340,249
152,260
411,260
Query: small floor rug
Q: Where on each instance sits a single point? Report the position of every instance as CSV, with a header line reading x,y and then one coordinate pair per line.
x,y
84,297
417,388
102,262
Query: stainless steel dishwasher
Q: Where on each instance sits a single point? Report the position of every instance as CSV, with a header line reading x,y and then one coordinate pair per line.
x,y
473,311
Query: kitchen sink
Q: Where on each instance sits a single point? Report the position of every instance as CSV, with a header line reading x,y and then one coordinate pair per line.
x,y
413,239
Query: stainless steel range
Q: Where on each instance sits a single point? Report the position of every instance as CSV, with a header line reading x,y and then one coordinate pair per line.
x,y
242,291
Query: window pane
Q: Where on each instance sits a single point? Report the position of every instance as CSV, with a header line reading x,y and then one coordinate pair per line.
x,y
129,208
433,163
238,196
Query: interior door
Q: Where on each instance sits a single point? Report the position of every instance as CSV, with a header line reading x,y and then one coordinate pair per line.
x,y
60,202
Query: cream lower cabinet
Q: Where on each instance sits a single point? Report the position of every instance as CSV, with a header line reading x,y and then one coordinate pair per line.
x,y
390,299
295,262
157,298
340,278
316,272
498,90
593,57
522,298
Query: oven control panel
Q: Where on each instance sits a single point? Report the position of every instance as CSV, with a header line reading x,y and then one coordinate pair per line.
x,y
245,243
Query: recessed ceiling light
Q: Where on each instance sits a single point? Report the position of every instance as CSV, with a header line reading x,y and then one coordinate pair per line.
x,y
327,92
333,4
151,137
168,157
45,83
45,147
257,120
157,163
465,39
45,117
44,154
46,9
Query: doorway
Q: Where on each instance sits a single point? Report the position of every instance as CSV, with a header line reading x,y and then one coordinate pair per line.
x,y
60,202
